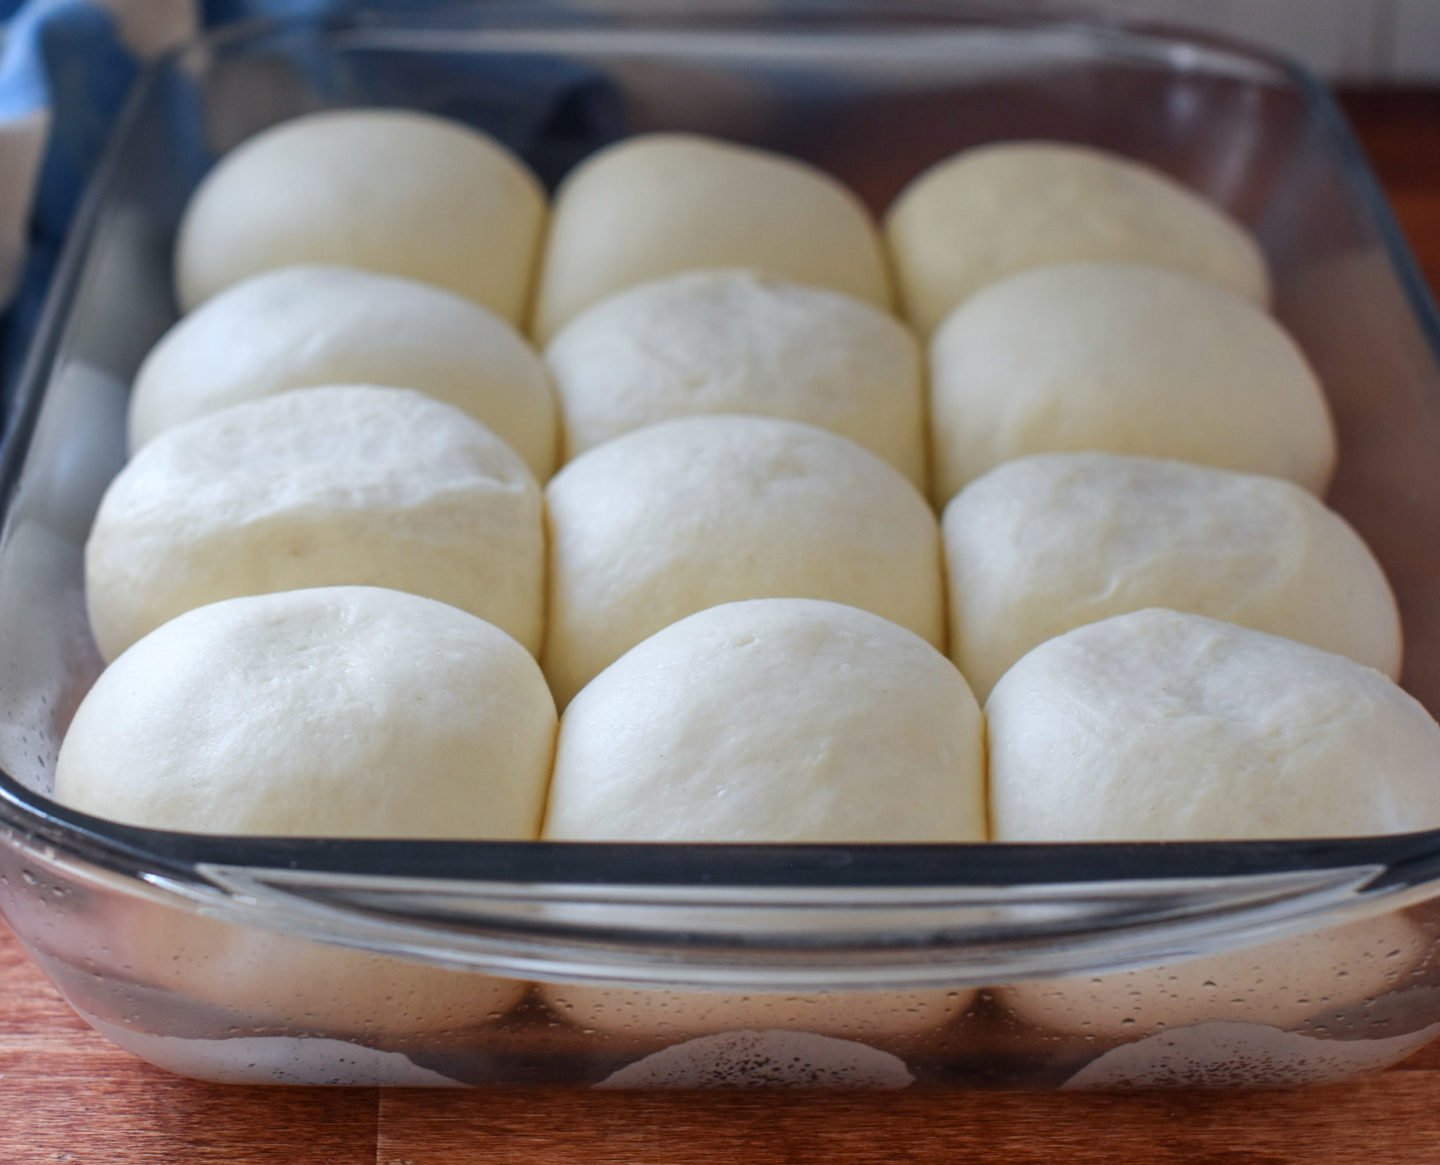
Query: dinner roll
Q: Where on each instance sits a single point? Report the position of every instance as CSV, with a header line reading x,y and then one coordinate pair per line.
x,y
992,211
1053,541
662,203
687,514
1126,359
329,486
706,342
1160,726
340,712
389,190
335,711
298,327
775,720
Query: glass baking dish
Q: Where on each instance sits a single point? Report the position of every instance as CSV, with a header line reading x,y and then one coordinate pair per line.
x,y
398,962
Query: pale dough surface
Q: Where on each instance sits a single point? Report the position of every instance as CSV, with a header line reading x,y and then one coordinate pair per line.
x,y
736,341
299,327
388,190
334,711
341,712
687,514
658,204
325,487
989,212
775,720
1163,726
1122,358
1160,726
1050,542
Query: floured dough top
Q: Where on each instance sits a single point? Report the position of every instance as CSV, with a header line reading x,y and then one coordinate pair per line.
x,y
325,487
344,711
687,514
1158,726
1046,543
773,720
1126,359
992,211
388,190
658,204
299,327
707,342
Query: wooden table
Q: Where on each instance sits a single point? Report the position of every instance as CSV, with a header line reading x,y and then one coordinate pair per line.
x,y
67,1096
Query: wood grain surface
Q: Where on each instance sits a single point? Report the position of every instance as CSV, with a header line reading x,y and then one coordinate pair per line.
x,y
68,1096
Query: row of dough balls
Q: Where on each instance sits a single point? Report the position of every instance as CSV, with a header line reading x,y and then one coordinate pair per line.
x,y
1155,336
364,712
411,194
371,713
1129,358
386,487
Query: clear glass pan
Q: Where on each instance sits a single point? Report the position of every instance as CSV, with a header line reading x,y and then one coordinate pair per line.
x,y
318,960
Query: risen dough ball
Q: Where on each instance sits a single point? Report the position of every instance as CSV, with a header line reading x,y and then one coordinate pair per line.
x,y
688,514
739,342
342,712
776,720
1169,727
1126,359
300,327
1051,542
389,190
337,711
329,486
663,203
992,211
1158,726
